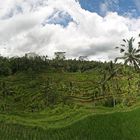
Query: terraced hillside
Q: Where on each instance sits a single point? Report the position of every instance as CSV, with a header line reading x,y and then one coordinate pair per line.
x,y
23,92
29,93
75,111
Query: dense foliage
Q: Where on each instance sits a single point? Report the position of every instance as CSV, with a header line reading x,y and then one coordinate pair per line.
x,y
33,84
10,66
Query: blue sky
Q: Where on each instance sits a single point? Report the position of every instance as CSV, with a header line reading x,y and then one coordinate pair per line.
x,y
122,7
101,7
58,17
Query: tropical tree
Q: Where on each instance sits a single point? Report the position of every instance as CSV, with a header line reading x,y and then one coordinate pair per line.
x,y
110,76
131,55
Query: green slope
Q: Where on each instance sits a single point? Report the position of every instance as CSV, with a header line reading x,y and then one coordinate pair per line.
x,y
24,115
28,91
108,126
28,95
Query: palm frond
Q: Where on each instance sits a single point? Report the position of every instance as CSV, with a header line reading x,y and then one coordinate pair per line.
x,y
137,55
131,55
130,44
123,45
126,61
122,50
138,50
124,40
136,65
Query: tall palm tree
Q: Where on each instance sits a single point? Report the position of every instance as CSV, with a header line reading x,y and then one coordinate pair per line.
x,y
131,55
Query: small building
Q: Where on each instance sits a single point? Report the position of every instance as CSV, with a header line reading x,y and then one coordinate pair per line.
x,y
31,55
60,55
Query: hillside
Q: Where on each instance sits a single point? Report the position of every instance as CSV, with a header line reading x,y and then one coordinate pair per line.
x,y
105,126
32,93
72,100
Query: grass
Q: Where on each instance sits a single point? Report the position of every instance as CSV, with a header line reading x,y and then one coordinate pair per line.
x,y
76,121
73,124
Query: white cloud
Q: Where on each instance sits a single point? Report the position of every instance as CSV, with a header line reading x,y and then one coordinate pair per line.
x,y
88,33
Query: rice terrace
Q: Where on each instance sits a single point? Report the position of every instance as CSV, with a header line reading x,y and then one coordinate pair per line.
x,y
69,70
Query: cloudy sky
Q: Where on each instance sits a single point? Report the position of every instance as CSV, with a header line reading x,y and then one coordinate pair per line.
x,y
78,27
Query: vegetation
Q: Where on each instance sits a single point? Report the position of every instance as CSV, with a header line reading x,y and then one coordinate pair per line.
x,y
131,55
60,99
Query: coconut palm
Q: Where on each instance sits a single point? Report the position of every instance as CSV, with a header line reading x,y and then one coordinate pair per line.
x,y
131,55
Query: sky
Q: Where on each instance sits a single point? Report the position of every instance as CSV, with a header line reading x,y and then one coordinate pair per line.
x,y
90,28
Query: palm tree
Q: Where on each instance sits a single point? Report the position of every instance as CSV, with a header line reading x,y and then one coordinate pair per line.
x,y
131,55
